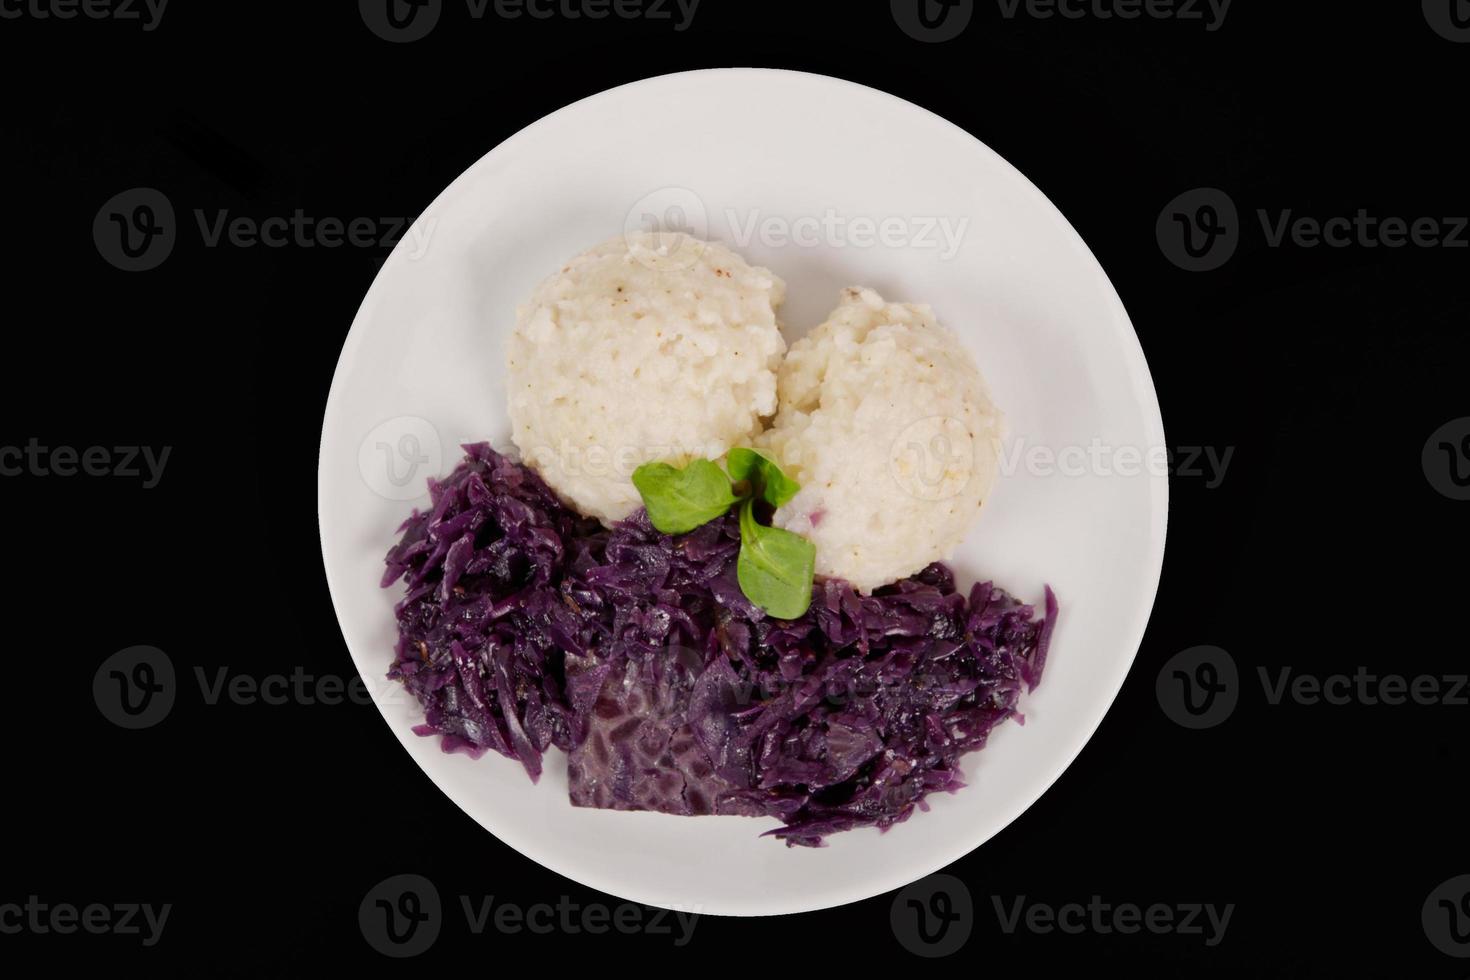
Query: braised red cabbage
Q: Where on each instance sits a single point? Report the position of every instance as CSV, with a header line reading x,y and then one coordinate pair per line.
x,y
525,626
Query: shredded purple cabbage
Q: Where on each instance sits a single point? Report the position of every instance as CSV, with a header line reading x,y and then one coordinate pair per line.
x,y
525,626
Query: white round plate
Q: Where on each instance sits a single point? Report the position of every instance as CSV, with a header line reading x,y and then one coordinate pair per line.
x,y
828,184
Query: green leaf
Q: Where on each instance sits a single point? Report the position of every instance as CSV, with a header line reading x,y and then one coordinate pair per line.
x,y
763,472
680,500
775,567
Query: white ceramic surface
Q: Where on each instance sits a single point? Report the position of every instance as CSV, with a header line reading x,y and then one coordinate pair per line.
x,y
864,186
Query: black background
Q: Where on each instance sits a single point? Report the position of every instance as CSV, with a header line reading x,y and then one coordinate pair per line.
x,y
1324,547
